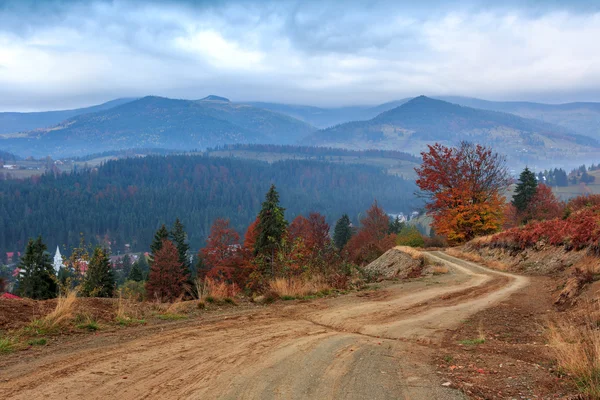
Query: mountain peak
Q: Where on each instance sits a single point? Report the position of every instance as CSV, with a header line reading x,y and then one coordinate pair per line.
x,y
213,97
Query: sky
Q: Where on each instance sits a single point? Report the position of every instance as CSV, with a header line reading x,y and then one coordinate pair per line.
x,y
59,54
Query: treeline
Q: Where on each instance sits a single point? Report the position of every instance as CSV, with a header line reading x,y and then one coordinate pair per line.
x,y
301,255
318,151
126,201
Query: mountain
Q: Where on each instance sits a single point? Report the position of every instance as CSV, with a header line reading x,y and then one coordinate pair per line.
x,y
580,117
158,122
424,120
5,156
14,122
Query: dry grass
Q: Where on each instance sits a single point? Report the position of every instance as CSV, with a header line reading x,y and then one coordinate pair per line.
x,y
576,343
216,290
411,251
482,240
62,315
64,311
439,269
297,286
476,258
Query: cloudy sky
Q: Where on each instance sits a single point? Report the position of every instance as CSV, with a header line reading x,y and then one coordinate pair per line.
x,y
58,54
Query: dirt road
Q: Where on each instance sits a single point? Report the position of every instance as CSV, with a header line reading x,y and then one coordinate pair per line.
x,y
369,345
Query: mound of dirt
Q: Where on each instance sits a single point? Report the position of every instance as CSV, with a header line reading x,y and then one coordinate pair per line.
x,y
396,263
16,313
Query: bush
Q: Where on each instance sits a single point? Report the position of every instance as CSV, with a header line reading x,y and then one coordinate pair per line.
x,y
133,290
410,236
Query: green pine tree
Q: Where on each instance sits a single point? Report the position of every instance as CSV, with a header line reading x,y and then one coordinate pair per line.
x,y
37,280
525,190
144,267
161,234
342,232
395,226
100,278
135,274
271,227
179,238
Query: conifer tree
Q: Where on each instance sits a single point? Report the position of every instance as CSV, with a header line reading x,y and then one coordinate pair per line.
x,y
135,274
100,278
525,190
161,234
395,225
179,238
342,232
166,280
271,227
37,280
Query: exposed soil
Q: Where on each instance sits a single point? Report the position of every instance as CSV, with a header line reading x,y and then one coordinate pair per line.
x,y
380,345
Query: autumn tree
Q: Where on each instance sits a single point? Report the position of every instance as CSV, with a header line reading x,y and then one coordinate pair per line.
x,y
166,279
271,228
100,278
372,239
37,279
463,186
525,190
223,253
251,236
543,205
342,231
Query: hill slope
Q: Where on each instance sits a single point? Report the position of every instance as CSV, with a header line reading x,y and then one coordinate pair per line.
x,y
156,122
14,122
423,120
580,117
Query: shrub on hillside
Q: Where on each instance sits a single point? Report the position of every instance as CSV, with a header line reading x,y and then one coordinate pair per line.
x,y
579,230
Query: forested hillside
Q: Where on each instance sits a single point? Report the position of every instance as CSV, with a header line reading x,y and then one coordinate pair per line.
x,y
125,201
158,122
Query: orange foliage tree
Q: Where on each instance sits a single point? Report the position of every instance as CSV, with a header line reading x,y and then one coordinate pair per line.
x,y
372,239
166,279
223,253
463,186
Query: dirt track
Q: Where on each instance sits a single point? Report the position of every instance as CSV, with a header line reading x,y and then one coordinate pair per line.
x,y
370,345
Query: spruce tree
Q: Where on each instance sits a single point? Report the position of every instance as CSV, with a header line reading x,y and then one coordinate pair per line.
x,y
395,225
37,280
100,278
179,238
136,273
342,232
271,227
161,234
525,190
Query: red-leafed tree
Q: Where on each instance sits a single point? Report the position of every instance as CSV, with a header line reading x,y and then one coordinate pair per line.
x,y
543,205
372,239
318,232
223,253
251,235
299,228
166,279
464,188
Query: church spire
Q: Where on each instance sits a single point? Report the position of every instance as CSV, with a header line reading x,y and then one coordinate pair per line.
x,y
58,261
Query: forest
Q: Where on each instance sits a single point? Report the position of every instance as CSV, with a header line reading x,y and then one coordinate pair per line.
x,y
125,201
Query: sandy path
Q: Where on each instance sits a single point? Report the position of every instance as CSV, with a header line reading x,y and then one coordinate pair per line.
x,y
361,346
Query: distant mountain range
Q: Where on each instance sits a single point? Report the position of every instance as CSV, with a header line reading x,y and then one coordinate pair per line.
x,y
424,120
14,122
527,131
158,122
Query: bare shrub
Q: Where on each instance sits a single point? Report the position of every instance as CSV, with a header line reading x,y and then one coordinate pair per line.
x,y
297,286
216,289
